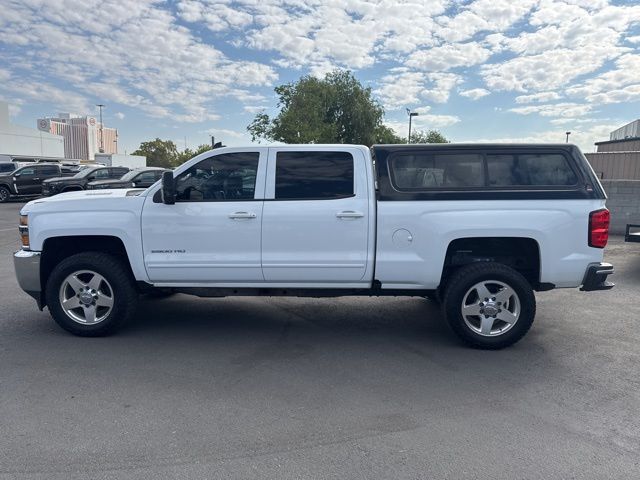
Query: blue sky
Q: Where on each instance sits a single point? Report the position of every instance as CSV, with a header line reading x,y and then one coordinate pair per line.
x,y
476,70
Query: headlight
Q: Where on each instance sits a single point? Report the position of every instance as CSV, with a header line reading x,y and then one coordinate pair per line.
x,y
24,231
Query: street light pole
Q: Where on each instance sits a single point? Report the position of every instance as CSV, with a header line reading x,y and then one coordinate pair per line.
x,y
568,133
411,115
100,105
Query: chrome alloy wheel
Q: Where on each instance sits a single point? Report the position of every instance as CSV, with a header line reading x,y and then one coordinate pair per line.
x,y
490,308
4,195
86,297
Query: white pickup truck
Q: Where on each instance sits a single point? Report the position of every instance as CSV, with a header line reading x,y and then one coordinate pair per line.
x,y
478,228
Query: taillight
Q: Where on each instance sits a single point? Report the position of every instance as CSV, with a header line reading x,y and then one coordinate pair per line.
x,y
599,228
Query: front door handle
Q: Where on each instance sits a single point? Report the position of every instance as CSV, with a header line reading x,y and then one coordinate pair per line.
x,y
349,214
242,215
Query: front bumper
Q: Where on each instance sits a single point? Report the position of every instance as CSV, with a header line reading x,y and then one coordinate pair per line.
x,y
596,277
27,266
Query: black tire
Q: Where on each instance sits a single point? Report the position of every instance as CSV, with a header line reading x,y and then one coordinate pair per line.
x,y
4,194
115,272
463,282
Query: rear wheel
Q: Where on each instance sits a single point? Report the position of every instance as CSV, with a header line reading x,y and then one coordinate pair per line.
x,y
489,305
4,194
91,294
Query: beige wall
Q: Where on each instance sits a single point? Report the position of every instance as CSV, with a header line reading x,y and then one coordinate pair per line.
x,y
625,146
623,203
616,165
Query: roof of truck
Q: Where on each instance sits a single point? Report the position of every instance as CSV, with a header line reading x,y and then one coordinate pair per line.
x,y
404,146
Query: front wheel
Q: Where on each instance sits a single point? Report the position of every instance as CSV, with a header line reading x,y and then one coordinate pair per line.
x,y
91,294
4,194
489,305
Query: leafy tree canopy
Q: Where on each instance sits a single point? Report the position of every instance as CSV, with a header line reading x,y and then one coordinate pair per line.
x,y
430,136
164,153
159,153
335,109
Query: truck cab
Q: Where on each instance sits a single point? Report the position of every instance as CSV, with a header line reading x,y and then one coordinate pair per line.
x,y
478,228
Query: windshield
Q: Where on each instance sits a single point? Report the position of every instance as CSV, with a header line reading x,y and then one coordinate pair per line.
x,y
129,175
85,173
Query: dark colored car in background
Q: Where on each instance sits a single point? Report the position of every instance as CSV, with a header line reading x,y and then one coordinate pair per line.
x,y
27,181
80,180
137,178
7,167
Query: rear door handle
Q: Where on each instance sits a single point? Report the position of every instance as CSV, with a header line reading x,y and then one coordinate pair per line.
x,y
242,215
349,214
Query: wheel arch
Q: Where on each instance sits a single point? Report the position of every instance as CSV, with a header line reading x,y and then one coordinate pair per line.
x,y
520,253
56,249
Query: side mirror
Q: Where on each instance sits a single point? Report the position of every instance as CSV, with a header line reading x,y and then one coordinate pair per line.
x,y
168,188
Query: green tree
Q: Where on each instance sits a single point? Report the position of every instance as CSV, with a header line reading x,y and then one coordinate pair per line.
x,y
159,153
335,109
430,136
188,154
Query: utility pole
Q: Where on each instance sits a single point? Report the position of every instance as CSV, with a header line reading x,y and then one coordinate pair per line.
x,y
100,106
213,141
411,115
567,133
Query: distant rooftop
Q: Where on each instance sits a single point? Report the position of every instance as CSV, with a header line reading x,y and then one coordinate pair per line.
x,y
628,131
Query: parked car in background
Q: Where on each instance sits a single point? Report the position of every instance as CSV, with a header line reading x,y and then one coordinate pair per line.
x,y
6,167
79,181
632,234
26,181
137,178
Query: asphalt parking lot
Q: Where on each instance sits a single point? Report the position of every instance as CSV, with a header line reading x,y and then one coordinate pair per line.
x,y
306,388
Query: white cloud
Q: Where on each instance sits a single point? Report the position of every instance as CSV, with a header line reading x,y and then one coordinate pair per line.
x,y
404,89
617,85
119,115
538,97
448,56
475,93
584,137
253,108
564,109
148,62
187,60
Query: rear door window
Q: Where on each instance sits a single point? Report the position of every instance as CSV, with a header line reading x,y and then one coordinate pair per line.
x,y
48,170
117,172
314,175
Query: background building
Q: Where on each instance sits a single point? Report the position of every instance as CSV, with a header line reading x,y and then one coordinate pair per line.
x,y
617,163
120,160
27,142
82,135
619,157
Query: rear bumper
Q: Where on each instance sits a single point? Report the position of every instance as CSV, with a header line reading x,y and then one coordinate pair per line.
x,y
596,277
27,266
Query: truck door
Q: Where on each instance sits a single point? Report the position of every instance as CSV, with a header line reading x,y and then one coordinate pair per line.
x,y
315,225
212,233
43,172
26,181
